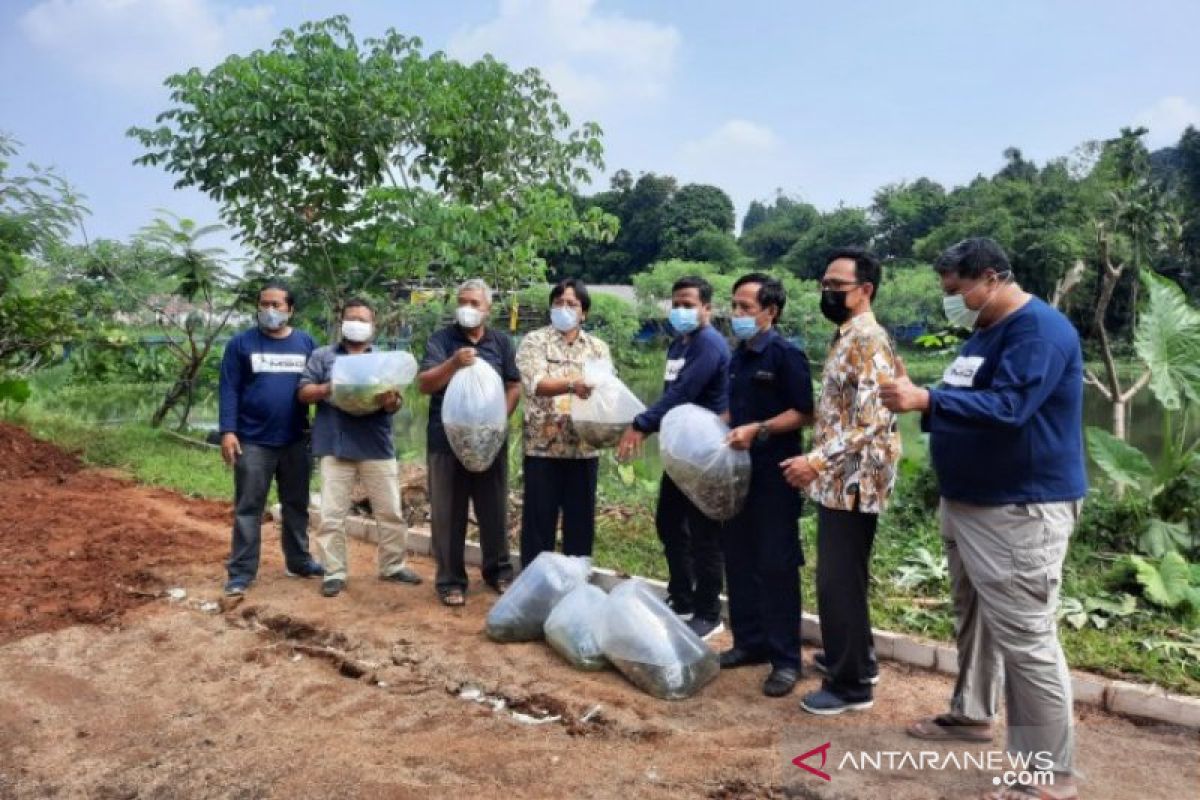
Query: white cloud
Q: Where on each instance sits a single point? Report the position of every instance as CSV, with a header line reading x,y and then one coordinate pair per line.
x,y
591,59
737,138
135,44
1167,119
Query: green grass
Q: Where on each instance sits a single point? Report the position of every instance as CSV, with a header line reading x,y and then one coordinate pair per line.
x,y
146,453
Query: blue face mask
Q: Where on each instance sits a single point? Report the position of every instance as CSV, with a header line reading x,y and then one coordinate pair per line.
x,y
563,319
744,328
684,320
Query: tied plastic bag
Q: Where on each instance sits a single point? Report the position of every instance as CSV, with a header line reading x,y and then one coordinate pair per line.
x,y
358,380
603,417
475,415
713,475
652,647
572,625
521,612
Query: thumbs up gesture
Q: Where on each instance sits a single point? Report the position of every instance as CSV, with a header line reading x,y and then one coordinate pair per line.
x,y
900,394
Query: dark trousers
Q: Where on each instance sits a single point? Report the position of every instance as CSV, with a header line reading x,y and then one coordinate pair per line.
x,y
554,485
451,486
844,540
762,569
252,475
692,544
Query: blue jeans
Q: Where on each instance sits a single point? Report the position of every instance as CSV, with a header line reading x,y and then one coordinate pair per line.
x,y
252,474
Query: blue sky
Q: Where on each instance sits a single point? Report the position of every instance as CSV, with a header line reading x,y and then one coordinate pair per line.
x,y
824,101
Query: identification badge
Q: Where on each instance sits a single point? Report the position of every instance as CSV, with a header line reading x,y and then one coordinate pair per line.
x,y
963,371
674,365
276,362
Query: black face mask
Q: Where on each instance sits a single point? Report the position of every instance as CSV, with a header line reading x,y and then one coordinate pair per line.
x,y
833,306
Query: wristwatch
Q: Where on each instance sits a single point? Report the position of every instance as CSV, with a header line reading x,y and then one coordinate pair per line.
x,y
762,434
570,387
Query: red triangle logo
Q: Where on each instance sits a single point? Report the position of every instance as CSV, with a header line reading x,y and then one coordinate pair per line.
x,y
824,751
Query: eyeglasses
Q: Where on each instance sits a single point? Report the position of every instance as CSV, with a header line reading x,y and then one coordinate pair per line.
x,y
838,285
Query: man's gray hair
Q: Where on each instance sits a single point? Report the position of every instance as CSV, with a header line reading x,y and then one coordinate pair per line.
x,y
476,285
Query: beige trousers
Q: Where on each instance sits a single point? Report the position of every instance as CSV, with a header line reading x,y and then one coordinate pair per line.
x,y
381,480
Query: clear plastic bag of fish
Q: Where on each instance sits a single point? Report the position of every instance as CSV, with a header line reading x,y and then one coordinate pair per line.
x,y
521,612
358,380
572,626
712,474
651,645
475,415
606,413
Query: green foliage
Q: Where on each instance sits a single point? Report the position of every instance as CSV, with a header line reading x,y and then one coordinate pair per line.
x,y
922,569
908,295
694,209
906,212
843,227
360,163
1169,583
616,322
775,229
1097,610
1168,342
1112,521
1123,464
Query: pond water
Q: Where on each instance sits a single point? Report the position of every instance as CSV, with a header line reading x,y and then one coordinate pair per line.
x,y
110,404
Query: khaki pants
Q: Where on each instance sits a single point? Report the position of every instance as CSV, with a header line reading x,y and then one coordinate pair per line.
x,y
381,480
1005,572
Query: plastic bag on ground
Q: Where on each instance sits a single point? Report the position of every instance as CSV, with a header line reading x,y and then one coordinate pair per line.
x,y
475,415
521,612
713,475
572,626
358,380
603,417
652,647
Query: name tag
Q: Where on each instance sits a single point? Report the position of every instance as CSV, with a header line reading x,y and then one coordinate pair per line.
x,y
275,362
674,365
962,372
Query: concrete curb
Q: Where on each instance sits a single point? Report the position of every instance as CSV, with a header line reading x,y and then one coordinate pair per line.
x,y
1118,697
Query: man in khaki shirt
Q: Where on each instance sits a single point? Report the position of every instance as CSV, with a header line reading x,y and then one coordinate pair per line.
x,y
560,469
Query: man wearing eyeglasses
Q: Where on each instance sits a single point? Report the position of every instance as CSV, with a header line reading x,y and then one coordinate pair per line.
x,y
849,474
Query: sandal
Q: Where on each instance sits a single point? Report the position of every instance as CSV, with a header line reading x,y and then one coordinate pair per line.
x,y
945,728
501,585
453,597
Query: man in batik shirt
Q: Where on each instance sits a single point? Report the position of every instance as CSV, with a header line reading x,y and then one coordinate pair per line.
x,y
849,474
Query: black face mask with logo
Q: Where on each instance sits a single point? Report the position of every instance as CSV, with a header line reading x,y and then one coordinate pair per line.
x,y
833,306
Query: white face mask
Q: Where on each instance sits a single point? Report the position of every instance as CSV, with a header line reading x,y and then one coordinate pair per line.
x,y
564,319
355,331
469,317
956,310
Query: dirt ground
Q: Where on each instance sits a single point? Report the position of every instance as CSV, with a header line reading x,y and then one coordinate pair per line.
x,y
114,686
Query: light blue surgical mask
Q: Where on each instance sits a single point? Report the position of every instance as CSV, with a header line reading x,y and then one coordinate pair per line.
x,y
744,328
564,319
957,313
272,319
684,320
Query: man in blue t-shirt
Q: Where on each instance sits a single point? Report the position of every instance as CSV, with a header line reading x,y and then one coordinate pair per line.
x,y
1006,440
263,429
697,372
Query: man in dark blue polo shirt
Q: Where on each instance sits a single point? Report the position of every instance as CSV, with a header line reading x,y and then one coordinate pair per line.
x,y
770,399
263,430
451,485
697,372
1006,438
355,448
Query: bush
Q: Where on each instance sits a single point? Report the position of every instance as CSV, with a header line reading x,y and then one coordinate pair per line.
x,y
1113,523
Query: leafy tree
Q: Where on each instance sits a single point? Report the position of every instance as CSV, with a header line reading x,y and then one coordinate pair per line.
x,y
843,227
361,163
694,209
782,224
37,211
905,212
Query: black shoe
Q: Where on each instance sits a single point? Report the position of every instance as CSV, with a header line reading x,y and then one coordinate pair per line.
x,y
402,575
736,657
780,682
682,610
332,587
705,628
823,668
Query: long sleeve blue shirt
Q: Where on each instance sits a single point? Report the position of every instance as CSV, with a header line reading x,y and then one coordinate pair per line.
x,y
1006,424
697,372
257,391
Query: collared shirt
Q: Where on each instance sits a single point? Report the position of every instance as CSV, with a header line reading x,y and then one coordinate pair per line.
x,y
494,349
546,353
855,441
767,376
336,433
